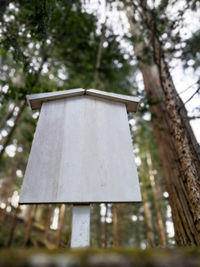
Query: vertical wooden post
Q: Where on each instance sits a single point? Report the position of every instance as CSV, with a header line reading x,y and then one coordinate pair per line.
x,y
80,236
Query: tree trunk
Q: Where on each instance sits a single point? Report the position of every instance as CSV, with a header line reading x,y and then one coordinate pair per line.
x,y
96,226
4,212
47,209
29,224
10,187
60,227
147,214
105,241
177,146
161,228
99,54
8,116
23,106
115,226
185,230
143,171
13,227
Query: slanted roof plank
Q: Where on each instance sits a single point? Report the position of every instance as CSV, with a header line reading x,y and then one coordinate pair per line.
x,y
36,100
131,102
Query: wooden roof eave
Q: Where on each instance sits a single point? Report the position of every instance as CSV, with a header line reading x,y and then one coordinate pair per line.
x,y
35,100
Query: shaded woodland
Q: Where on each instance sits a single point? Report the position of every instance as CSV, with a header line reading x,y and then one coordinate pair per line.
x,y
126,47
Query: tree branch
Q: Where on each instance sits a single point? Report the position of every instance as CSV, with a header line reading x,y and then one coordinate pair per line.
x,y
189,98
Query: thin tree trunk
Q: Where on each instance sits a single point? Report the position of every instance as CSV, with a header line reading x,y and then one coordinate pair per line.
x,y
148,221
29,224
115,226
23,106
61,222
13,227
4,213
145,180
99,54
138,230
8,116
161,228
47,211
10,134
10,191
96,226
105,241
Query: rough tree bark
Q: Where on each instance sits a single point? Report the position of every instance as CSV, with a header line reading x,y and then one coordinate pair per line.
x,y
185,230
177,146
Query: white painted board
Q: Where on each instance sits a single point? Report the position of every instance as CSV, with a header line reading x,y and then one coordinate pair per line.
x,y
81,153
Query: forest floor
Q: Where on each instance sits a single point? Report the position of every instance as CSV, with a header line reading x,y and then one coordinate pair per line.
x,y
180,257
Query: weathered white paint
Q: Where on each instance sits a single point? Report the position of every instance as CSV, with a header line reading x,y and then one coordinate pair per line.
x,y
82,153
80,236
36,100
131,102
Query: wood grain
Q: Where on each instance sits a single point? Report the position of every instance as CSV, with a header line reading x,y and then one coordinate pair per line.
x,y
81,153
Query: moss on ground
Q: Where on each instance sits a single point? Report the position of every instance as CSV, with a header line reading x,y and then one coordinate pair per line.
x,y
186,257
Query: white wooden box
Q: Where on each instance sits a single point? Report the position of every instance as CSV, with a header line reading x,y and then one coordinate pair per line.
x,y
82,150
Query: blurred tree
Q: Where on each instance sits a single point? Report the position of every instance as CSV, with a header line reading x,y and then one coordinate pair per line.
x,y
61,222
105,241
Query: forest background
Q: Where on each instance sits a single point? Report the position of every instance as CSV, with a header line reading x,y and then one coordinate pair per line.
x,y
128,47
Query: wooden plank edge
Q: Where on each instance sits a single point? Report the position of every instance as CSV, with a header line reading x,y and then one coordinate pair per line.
x,y
131,102
139,200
